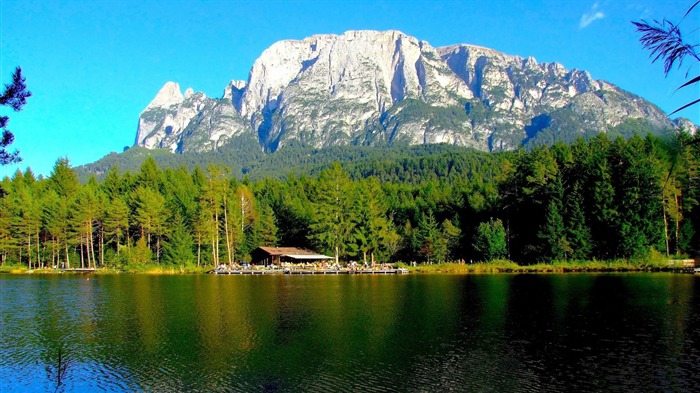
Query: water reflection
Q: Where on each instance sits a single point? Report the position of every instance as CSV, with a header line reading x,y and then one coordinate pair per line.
x,y
343,333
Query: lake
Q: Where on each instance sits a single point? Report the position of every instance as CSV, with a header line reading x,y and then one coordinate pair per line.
x,y
501,332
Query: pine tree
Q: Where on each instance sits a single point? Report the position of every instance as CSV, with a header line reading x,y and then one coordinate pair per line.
x,y
373,231
83,216
578,233
27,217
117,221
6,239
178,249
150,175
333,221
51,219
151,216
490,240
64,182
264,229
554,244
452,234
15,95
433,245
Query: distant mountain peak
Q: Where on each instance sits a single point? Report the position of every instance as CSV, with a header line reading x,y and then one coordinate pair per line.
x,y
368,87
168,95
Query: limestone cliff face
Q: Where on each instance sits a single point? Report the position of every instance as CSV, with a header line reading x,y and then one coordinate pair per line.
x,y
370,87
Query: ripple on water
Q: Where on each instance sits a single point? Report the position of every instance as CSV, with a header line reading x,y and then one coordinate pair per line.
x,y
344,334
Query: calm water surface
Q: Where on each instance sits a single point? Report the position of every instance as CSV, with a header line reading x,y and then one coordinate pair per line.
x,y
574,332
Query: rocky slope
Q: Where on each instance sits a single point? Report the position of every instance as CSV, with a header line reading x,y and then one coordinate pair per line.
x,y
370,87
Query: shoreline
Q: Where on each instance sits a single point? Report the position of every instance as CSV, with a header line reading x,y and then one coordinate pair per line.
x,y
494,267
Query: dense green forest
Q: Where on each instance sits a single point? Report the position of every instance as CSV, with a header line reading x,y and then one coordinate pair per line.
x,y
248,160
244,156
595,199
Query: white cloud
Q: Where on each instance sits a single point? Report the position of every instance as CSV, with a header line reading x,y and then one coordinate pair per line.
x,y
590,16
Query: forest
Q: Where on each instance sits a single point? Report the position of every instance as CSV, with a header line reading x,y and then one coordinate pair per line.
x,y
596,199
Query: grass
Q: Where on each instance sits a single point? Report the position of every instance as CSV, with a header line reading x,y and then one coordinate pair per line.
x,y
157,269
137,269
13,268
655,261
506,266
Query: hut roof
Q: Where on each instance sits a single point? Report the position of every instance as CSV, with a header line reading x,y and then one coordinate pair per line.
x,y
286,251
293,253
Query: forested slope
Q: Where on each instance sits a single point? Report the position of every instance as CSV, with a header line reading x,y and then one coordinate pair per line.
x,y
599,199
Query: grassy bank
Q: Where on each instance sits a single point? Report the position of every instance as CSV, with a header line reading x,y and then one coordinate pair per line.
x,y
506,266
132,269
654,263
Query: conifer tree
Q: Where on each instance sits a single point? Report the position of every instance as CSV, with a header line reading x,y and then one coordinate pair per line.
x,y
52,224
433,245
14,95
64,182
150,215
6,239
490,240
117,221
333,223
578,233
177,250
452,234
372,231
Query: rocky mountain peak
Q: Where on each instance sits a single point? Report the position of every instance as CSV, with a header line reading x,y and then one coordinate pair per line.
x,y
168,95
379,87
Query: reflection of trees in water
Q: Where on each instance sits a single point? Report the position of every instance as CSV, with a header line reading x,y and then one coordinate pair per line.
x,y
60,371
475,332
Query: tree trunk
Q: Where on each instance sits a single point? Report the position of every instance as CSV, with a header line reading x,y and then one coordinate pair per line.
x,y
38,250
29,252
199,250
678,224
214,250
65,239
102,247
82,257
228,240
88,245
216,238
92,247
243,206
663,208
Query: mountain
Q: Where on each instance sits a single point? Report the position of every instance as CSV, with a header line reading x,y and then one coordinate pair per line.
x,y
386,88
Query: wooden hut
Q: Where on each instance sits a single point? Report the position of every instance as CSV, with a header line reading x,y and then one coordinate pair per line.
x,y
278,255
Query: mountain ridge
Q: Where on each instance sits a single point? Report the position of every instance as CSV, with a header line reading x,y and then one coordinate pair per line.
x,y
378,88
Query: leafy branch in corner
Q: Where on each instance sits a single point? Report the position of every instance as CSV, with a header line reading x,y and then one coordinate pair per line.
x,y
665,41
15,95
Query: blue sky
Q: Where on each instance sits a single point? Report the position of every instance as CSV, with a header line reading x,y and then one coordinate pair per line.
x,y
93,66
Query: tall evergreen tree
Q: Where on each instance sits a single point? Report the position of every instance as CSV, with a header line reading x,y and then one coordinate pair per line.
x,y
177,250
490,240
150,216
117,222
373,230
333,221
6,238
64,181
554,244
433,245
